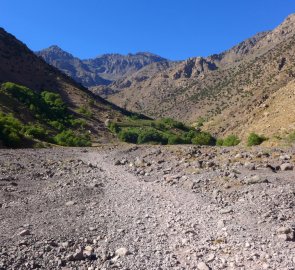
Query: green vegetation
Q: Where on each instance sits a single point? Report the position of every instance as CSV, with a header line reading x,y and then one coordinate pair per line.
x,y
255,139
291,137
52,121
203,138
162,131
231,140
10,130
69,138
85,111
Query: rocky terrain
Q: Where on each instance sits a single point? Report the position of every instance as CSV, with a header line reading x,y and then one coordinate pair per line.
x,y
101,70
148,207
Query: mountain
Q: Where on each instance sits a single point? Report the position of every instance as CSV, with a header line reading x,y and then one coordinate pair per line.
x,y
33,92
224,89
101,70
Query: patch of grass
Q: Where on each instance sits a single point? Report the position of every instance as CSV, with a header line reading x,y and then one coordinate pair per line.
x,y
255,139
230,140
85,111
203,138
70,138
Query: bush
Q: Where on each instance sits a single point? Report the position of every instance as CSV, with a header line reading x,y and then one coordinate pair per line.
x,y
128,135
203,138
151,136
219,142
69,138
174,139
35,131
255,139
291,137
114,127
231,140
10,128
85,111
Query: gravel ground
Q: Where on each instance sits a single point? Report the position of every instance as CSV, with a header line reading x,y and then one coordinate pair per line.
x,y
147,207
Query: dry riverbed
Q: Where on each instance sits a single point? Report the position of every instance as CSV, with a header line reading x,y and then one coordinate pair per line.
x,y
147,207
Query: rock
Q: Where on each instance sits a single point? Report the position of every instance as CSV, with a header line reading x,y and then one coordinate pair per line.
x,y
210,257
24,233
70,203
286,167
203,266
285,157
226,210
250,166
121,252
285,233
78,255
117,162
256,179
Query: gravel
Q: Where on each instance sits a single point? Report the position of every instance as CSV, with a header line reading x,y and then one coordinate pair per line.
x,y
147,207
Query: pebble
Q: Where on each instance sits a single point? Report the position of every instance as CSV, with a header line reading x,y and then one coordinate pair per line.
x,y
286,167
24,233
121,252
203,266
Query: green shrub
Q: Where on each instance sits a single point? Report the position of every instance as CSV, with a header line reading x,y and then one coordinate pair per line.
x,y
10,128
129,135
231,140
35,131
114,127
84,111
69,138
57,125
255,139
219,142
77,123
203,138
174,139
151,136
291,137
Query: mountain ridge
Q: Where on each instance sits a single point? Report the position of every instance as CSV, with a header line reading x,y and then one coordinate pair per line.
x,y
100,70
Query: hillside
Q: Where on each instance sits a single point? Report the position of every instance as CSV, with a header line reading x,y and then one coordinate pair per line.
x,y
224,89
37,91
101,70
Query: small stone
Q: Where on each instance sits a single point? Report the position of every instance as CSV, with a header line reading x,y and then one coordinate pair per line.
x,y
78,255
285,157
70,203
210,257
284,230
256,179
286,167
24,233
203,266
121,252
250,166
226,210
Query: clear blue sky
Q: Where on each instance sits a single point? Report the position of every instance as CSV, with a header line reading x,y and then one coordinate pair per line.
x,y
176,29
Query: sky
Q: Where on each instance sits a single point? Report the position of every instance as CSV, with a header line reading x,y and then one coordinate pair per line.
x,y
175,29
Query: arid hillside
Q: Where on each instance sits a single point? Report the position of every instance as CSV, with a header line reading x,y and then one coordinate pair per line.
x,y
224,89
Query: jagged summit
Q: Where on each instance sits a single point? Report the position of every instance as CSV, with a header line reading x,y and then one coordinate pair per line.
x,y
101,70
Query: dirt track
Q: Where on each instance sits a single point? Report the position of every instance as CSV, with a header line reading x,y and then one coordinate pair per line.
x,y
147,208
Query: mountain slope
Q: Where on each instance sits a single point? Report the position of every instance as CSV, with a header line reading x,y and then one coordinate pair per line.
x,y
20,65
223,88
101,70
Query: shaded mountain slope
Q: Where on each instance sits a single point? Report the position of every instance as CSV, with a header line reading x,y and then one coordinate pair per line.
x,y
20,65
